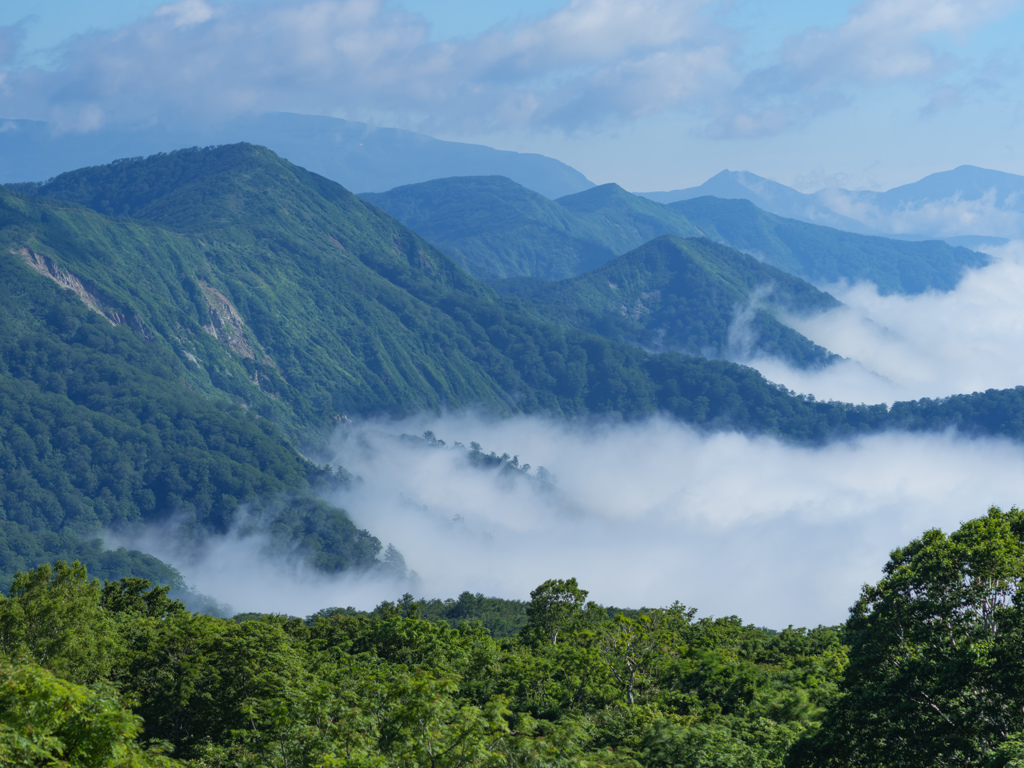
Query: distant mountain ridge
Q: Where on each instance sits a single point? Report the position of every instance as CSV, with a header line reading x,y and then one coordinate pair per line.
x,y
358,156
964,205
495,228
767,195
826,255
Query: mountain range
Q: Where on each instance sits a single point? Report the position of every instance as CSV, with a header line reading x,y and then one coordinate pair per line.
x,y
362,157
967,205
495,228
690,295
179,333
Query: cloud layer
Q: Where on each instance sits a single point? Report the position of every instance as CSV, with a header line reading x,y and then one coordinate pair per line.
x,y
908,347
653,512
587,64
649,513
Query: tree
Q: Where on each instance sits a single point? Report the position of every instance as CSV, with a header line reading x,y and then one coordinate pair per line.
x,y
556,607
630,648
935,674
53,614
46,721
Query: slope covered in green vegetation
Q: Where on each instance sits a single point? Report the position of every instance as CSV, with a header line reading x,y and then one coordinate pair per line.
x,y
691,295
309,304
494,228
163,351
100,429
623,220
577,684
824,255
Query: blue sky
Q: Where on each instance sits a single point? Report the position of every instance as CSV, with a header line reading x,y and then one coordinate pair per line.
x,y
653,94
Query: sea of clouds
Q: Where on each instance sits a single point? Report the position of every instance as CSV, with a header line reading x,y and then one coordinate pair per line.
x,y
651,512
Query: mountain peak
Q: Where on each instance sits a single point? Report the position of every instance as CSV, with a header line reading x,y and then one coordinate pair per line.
x,y
230,180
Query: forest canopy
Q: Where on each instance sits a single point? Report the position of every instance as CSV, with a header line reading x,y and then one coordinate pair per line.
x,y
927,671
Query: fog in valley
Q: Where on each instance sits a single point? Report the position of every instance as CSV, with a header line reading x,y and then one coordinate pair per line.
x,y
651,512
909,347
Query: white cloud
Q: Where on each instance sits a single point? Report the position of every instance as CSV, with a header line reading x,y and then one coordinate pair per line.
x,y
186,12
820,69
908,347
648,513
589,61
986,214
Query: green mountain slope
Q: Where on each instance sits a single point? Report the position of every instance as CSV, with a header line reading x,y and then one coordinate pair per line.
x,y
625,221
691,295
494,228
320,305
826,255
279,289
101,430
331,307
151,354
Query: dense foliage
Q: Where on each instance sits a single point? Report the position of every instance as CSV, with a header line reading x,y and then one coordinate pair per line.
x,y
573,687
926,672
692,295
935,675
101,430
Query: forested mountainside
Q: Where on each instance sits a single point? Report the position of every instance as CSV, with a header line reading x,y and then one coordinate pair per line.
x,y
824,255
495,229
694,296
100,429
925,673
166,351
278,289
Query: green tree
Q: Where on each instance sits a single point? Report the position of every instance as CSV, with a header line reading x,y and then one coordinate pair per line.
x,y
631,647
557,607
934,676
46,721
54,616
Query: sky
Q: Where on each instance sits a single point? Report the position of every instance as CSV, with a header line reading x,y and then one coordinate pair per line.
x,y
652,94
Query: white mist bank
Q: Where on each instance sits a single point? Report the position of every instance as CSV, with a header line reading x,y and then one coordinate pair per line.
x,y
909,347
653,512
236,571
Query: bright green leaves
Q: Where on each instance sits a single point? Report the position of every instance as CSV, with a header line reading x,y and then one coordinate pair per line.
x,y
631,648
576,688
53,615
934,677
556,607
46,721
